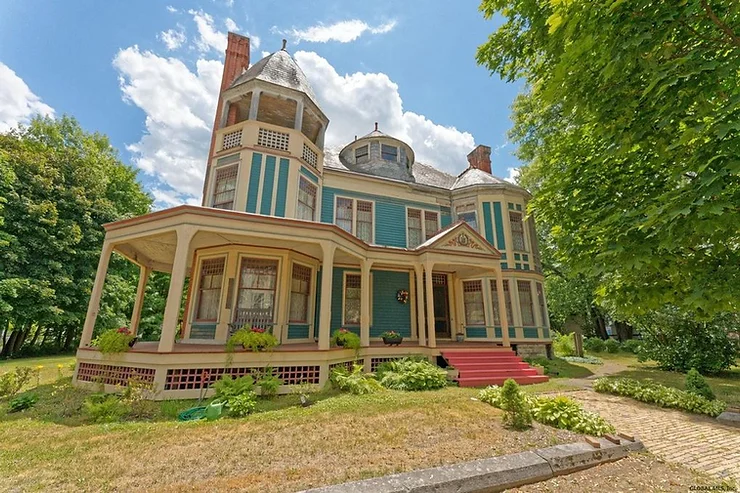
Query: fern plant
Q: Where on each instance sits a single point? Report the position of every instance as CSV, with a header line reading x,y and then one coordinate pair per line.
x,y
355,381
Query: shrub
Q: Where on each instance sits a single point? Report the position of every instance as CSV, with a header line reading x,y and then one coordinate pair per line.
x,y
560,412
22,402
565,413
227,387
355,381
269,383
411,374
653,393
564,345
611,345
242,404
105,408
13,381
678,343
137,394
254,338
591,360
631,346
346,338
114,341
517,413
594,345
696,384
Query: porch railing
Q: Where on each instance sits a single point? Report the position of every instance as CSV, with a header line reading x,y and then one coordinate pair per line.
x,y
254,317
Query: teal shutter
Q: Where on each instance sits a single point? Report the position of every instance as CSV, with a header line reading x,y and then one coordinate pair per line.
x,y
267,184
254,182
282,188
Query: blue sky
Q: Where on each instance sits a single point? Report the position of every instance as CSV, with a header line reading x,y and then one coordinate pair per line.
x,y
146,74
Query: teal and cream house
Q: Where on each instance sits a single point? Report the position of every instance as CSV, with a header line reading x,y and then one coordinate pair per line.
x,y
302,240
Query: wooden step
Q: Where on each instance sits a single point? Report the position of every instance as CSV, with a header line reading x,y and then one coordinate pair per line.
x,y
514,372
485,381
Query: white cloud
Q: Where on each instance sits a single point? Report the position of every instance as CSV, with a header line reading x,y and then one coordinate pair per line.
x,y
343,31
513,175
231,25
17,102
354,101
265,53
254,41
179,105
171,9
172,38
209,38
164,198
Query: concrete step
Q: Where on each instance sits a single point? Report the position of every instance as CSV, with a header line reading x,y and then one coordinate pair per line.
x,y
485,381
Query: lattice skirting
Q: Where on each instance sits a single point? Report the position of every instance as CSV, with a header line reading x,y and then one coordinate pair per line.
x,y
111,374
194,378
345,364
376,362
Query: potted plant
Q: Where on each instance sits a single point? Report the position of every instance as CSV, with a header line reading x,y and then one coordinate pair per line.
x,y
114,341
391,338
460,337
254,338
346,338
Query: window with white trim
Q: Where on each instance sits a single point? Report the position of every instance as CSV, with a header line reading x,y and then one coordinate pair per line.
x,y
497,308
475,313
525,302
224,190
300,288
468,214
208,296
361,154
543,308
517,231
306,208
418,230
352,299
355,217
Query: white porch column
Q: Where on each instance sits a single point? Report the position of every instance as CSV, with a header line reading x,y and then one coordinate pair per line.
x,y
174,295
327,272
94,305
139,302
419,270
502,316
365,308
428,267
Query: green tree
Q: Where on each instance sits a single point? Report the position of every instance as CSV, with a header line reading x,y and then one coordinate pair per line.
x,y
59,185
630,128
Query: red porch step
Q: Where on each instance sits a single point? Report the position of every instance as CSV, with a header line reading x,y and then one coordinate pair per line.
x,y
481,368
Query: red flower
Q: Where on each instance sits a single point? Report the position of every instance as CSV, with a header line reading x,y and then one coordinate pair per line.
x,y
343,331
123,330
259,330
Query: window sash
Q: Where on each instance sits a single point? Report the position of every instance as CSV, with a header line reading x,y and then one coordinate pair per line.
x,y
507,301
525,302
470,218
208,297
352,299
344,214
543,308
224,189
517,231
257,285
361,154
475,313
414,227
300,288
388,153
365,221
306,200
431,224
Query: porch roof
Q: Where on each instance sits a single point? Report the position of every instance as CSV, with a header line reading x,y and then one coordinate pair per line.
x,y
151,239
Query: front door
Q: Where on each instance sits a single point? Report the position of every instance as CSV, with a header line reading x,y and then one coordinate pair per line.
x,y
441,306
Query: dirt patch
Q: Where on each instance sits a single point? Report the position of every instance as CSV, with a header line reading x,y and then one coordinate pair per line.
x,y
638,472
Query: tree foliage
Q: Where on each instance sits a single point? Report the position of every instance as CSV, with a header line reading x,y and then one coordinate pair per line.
x,y
58,186
630,128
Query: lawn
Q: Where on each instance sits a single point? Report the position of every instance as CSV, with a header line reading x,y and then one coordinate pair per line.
x,y
285,447
52,366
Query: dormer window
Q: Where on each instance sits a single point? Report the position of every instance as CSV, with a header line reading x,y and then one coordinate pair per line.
x,y
389,153
361,155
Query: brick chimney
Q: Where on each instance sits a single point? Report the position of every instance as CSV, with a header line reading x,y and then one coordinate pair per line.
x,y
480,158
237,60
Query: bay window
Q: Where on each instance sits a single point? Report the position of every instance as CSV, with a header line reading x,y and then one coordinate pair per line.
x,y
299,293
352,299
473,301
306,208
208,295
525,302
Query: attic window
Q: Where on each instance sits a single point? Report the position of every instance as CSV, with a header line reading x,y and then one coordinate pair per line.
x,y
361,155
389,153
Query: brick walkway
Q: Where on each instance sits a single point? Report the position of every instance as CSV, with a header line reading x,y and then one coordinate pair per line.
x,y
696,441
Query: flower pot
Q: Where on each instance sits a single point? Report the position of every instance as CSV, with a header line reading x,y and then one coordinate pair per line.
x,y
132,342
340,343
392,341
460,338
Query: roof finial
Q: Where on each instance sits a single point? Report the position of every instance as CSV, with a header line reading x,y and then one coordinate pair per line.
x,y
376,126
285,41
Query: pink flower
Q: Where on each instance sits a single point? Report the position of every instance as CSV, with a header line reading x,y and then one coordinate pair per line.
x,y
123,330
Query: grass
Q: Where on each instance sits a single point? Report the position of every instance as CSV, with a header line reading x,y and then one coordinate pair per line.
x,y
50,371
284,448
559,368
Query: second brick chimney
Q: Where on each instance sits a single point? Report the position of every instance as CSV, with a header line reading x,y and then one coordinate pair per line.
x,y
480,158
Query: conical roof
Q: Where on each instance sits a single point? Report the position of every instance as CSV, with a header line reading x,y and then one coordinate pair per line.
x,y
278,68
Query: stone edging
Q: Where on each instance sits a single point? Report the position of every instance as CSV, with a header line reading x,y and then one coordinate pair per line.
x,y
496,473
